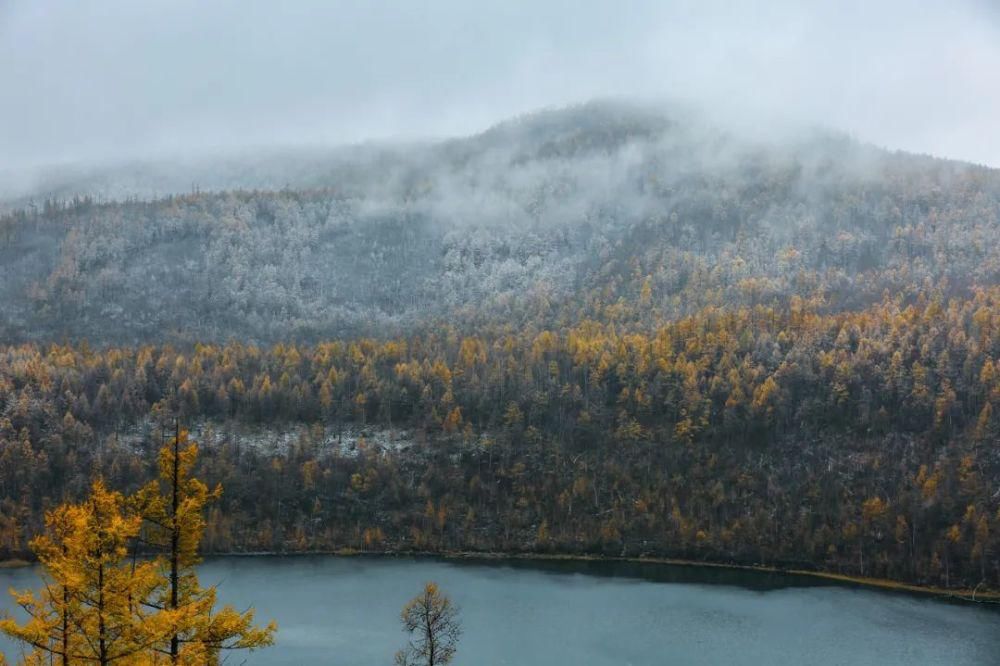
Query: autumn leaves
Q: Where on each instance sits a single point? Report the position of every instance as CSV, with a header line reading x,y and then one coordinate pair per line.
x,y
120,585
431,621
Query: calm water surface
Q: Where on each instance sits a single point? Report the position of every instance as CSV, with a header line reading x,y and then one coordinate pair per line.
x,y
345,611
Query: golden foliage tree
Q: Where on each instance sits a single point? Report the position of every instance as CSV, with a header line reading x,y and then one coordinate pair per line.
x,y
173,508
92,608
103,604
431,620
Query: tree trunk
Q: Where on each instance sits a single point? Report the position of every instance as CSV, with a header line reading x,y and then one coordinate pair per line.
x,y
174,539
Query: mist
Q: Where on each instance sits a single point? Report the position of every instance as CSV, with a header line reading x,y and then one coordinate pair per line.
x,y
87,82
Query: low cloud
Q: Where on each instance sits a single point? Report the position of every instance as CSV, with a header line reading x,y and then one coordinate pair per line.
x,y
85,82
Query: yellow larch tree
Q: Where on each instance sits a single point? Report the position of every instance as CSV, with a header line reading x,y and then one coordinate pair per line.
x,y
93,607
173,508
431,621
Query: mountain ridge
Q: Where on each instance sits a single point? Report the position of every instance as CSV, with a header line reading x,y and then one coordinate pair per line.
x,y
544,208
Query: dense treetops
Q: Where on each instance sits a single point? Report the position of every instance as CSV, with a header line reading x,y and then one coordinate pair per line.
x,y
859,441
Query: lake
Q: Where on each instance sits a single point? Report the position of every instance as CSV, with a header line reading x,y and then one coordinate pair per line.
x,y
345,611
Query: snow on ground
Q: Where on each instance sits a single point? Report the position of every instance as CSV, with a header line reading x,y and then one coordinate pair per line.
x,y
346,440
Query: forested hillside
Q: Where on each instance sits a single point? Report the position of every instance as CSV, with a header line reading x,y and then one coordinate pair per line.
x,y
529,222
604,329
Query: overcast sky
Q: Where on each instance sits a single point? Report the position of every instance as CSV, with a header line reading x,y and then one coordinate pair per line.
x,y
117,79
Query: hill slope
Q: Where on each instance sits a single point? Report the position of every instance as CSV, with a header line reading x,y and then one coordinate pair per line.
x,y
530,219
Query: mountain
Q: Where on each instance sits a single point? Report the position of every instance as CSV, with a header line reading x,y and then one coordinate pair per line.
x,y
535,217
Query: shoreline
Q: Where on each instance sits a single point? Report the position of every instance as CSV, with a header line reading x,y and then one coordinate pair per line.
x,y
956,594
15,563
964,595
